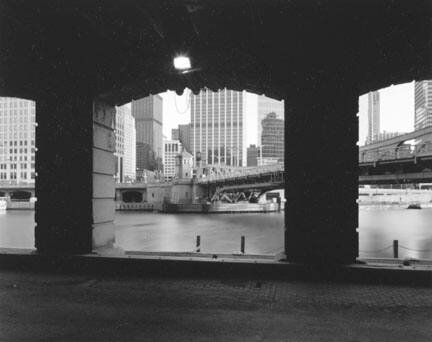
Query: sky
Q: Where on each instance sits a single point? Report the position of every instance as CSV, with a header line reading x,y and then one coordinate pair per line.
x,y
397,111
176,111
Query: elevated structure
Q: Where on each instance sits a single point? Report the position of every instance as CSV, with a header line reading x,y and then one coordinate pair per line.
x,y
78,61
396,147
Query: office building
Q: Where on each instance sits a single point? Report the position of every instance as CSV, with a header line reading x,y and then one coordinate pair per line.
x,y
373,116
384,135
272,139
175,134
218,127
17,140
171,148
252,155
267,105
185,136
422,104
148,122
125,151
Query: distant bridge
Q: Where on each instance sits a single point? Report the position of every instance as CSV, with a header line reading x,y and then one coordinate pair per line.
x,y
243,183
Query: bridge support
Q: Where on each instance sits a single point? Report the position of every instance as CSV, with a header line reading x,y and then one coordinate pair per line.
x,y
321,161
75,167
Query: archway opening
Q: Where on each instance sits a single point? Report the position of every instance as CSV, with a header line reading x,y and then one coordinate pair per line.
x,y
20,196
17,171
209,167
395,200
132,197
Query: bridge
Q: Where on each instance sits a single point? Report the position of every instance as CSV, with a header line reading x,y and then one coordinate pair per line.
x,y
403,159
211,183
247,183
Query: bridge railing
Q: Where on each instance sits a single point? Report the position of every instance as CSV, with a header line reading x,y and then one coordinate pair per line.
x,y
241,172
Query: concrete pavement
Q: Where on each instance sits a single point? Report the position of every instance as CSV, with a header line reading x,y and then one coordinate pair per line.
x,y
55,307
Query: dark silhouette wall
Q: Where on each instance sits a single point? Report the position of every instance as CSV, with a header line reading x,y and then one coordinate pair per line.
x,y
317,55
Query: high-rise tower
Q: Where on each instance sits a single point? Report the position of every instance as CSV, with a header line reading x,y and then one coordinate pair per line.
x,y
267,105
125,151
17,140
148,122
373,116
218,128
423,104
272,139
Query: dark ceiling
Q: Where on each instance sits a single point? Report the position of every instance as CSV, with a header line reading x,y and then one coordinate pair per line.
x,y
124,49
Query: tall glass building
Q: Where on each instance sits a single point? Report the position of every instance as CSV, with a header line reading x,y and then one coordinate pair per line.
x,y
125,151
272,139
373,116
17,140
148,122
423,104
218,127
267,105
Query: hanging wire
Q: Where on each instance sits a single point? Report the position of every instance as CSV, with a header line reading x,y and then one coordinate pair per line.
x,y
415,250
188,101
377,250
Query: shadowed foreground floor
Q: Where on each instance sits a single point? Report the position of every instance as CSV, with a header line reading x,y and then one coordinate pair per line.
x,y
45,307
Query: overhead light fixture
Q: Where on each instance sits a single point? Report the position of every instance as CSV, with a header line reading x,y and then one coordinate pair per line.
x,y
182,63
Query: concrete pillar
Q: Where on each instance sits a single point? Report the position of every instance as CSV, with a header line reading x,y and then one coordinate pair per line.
x,y
321,162
75,167
103,175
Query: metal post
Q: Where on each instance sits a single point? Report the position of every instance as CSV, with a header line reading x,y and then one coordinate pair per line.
x,y
242,246
395,249
198,244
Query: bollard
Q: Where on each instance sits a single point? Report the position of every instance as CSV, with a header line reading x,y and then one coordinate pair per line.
x,y
198,244
242,245
395,249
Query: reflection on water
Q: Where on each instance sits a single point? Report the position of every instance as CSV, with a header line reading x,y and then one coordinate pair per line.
x,y
218,232
378,229
222,232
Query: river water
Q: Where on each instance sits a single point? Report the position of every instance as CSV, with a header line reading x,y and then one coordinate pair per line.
x,y
221,233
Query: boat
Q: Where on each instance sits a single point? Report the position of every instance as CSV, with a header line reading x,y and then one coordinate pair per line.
x,y
414,206
3,203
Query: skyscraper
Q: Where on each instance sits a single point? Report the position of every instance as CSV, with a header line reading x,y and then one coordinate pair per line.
x,y
272,139
218,127
268,105
252,155
373,116
422,104
125,151
175,134
119,144
17,140
185,136
148,121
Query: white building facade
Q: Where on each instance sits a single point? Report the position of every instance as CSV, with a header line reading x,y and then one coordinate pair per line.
x,y
373,116
422,104
125,151
171,149
218,127
17,140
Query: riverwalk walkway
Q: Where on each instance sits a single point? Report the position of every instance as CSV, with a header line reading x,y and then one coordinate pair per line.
x,y
65,307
